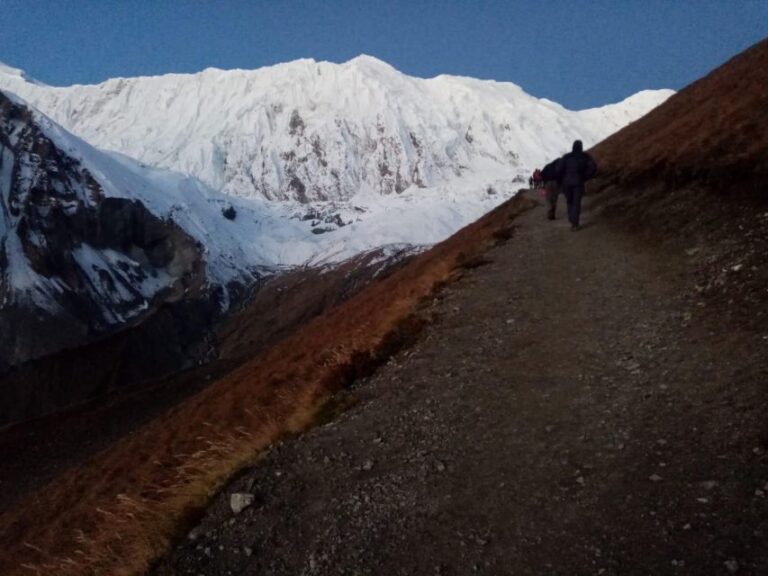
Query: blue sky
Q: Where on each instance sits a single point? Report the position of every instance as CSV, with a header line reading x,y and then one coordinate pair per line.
x,y
580,53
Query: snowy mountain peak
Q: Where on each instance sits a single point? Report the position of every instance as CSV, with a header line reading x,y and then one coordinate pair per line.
x,y
310,132
367,62
91,241
10,72
643,99
244,172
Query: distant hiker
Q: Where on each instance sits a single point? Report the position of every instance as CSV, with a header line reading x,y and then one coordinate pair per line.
x,y
549,177
573,170
537,178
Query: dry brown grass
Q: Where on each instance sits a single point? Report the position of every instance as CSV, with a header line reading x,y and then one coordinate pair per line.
x,y
120,511
713,134
692,174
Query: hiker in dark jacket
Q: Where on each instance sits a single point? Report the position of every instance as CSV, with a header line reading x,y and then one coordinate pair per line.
x,y
574,169
549,176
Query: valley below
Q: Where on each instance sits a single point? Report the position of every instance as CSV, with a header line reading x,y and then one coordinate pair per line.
x,y
117,384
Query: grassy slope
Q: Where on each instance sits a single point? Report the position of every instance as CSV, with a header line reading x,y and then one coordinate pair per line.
x,y
712,134
693,173
117,513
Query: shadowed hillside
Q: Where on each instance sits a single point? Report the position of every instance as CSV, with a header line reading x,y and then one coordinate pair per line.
x,y
694,173
711,135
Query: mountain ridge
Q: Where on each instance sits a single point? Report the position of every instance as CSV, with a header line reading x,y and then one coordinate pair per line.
x,y
310,132
300,164
93,241
360,59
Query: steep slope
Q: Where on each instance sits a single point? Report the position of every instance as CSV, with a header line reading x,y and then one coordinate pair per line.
x,y
311,131
126,379
91,242
713,133
693,172
74,259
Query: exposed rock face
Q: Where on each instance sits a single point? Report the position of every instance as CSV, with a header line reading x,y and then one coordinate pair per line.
x,y
74,263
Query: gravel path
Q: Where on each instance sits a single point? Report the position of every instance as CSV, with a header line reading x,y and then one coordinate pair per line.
x,y
573,409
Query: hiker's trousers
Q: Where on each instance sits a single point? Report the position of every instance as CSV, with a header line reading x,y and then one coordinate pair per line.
x,y
573,195
553,190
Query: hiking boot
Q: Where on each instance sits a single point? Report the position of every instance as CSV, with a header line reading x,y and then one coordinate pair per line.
x,y
575,227
550,216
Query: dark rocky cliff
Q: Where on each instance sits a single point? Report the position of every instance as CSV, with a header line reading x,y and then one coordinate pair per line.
x,y
75,264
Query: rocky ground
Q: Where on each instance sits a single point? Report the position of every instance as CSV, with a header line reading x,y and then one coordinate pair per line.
x,y
574,408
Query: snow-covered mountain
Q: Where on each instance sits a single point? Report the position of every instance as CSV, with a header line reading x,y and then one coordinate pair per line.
x,y
79,250
91,241
314,131
239,174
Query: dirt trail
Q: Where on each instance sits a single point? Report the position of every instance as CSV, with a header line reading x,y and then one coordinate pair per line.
x,y
572,410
